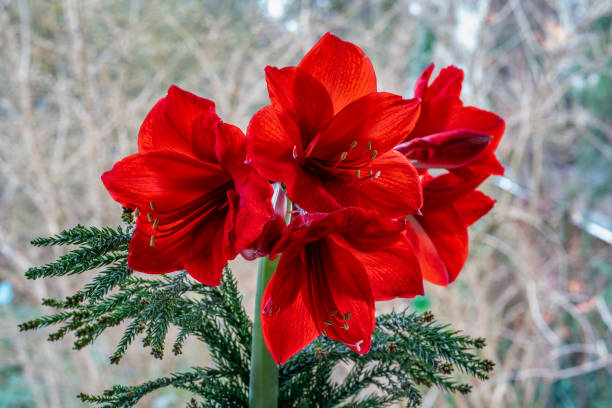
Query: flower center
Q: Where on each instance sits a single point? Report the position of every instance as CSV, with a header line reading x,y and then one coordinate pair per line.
x,y
347,166
179,220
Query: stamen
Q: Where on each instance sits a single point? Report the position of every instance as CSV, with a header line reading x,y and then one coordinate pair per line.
x,y
155,224
149,217
323,332
346,326
374,153
295,152
152,242
327,322
369,145
136,212
347,316
353,144
377,175
343,155
267,310
333,313
370,172
357,173
152,204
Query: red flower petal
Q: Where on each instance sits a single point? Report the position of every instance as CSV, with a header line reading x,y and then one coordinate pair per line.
x,y
393,188
273,230
485,122
190,250
377,122
485,163
448,82
446,113
362,230
340,295
422,82
251,200
254,210
178,122
440,239
295,93
208,254
450,149
440,235
165,257
342,68
367,231
473,206
230,150
286,319
435,115
171,180
307,191
393,270
269,148
446,188
255,193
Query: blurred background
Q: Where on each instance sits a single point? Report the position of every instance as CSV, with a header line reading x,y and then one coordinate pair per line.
x,y
78,77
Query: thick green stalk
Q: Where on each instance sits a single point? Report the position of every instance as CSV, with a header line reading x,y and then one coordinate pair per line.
x,y
263,387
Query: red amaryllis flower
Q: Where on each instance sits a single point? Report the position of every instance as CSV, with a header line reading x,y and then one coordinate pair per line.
x,y
439,234
449,135
198,203
329,136
333,267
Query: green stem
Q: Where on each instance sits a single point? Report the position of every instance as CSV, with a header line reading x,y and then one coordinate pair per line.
x,y
263,387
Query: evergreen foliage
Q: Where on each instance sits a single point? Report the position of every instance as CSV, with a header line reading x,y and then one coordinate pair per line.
x,y
409,351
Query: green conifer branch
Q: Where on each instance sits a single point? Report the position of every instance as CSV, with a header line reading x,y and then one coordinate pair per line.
x,y
407,350
80,235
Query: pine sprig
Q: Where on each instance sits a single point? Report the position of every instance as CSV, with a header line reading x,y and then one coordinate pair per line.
x,y
98,247
106,281
81,235
409,351
203,382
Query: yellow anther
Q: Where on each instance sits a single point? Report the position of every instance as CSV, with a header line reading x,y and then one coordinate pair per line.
x,y
323,332
152,204
353,144
333,313
357,173
369,145
155,224
370,172
343,155
149,217
374,153
347,316
327,322
346,327
152,242
136,212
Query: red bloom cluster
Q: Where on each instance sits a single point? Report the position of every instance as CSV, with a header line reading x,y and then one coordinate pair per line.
x,y
369,222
